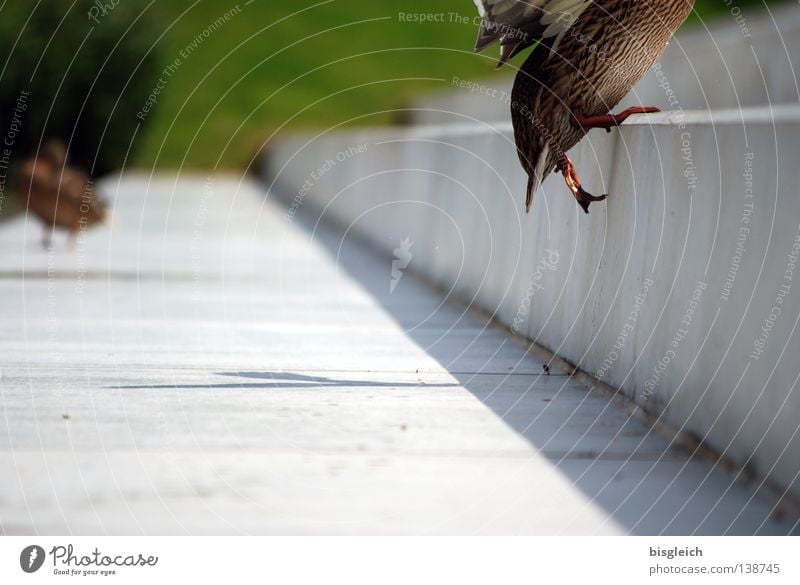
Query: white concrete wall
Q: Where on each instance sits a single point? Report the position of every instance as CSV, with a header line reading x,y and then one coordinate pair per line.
x,y
713,66
680,195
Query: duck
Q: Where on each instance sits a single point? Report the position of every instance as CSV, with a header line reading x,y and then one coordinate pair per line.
x,y
59,194
588,54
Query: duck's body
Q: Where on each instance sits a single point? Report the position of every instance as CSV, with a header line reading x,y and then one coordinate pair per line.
x,y
591,54
59,194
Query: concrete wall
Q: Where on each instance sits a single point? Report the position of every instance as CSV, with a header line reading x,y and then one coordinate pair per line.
x,y
682,289
742,59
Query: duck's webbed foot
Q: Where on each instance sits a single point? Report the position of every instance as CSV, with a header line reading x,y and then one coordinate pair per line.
x,y
609,121
583,198
47,238
72,240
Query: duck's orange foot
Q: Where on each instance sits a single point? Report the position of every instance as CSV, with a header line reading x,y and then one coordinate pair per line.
x,y
583,197
609,121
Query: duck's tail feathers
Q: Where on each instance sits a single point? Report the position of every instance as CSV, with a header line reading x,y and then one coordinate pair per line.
x,y
536,178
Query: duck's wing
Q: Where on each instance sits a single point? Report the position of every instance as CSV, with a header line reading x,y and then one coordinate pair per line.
x,y
519,24
35,180
75,185
77,192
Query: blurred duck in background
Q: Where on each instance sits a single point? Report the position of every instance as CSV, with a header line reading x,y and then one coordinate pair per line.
x,y
59,194
587,56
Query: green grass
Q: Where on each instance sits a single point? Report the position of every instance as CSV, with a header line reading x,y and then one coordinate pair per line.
x,y
279,66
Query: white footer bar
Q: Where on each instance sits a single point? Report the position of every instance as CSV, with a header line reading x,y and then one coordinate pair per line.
x,y
388,560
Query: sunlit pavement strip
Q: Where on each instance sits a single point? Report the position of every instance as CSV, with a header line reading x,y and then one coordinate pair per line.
x,y
203,365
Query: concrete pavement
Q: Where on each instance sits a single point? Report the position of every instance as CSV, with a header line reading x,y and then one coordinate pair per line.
x,y
205,365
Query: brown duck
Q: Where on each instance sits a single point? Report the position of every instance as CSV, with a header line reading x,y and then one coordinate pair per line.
x,y
59,194
588,56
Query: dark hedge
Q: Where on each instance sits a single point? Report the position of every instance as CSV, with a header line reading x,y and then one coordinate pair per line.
x,y
80,74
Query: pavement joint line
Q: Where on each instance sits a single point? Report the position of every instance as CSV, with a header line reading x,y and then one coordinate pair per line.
x,y
138,369
522,454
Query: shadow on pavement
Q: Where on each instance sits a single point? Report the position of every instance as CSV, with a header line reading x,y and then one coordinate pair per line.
x,y
630,472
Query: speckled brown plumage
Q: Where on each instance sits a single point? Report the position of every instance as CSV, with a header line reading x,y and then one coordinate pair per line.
x,y
57,193
602,49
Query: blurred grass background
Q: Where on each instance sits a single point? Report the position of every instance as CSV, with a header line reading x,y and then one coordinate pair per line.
x,y
349,58
280,65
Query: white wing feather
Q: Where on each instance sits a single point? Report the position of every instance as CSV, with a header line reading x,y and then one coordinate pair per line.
x,y
518,24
